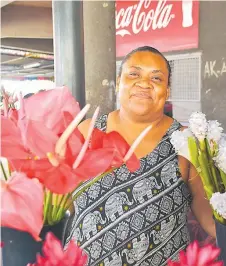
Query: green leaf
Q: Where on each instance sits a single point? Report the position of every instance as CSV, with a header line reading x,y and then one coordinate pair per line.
x,y
193,152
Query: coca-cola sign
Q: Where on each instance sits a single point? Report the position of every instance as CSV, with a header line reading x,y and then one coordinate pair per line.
x,y
165,25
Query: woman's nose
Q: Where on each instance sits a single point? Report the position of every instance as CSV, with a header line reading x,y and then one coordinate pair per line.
x,y
144,84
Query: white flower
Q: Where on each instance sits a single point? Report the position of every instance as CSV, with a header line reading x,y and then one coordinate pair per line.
x,y
198,125
179,140
214,131
218,201
220,159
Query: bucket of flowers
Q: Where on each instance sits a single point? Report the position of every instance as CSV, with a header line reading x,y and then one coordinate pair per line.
x,y
204,145
44,160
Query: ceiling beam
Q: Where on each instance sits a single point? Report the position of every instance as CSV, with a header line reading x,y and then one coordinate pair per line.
x,y
37,45
26,22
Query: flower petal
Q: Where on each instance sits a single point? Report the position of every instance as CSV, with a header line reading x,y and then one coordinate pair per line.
x,y
22,204
39,139
60,179
40,107
96,141
94,163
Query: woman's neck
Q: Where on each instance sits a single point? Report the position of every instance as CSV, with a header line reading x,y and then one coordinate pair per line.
x,y
139,121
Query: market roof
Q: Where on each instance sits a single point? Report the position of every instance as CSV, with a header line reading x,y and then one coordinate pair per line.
x,y
26,39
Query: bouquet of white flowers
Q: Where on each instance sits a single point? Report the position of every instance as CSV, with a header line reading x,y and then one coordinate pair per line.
x,y
204,145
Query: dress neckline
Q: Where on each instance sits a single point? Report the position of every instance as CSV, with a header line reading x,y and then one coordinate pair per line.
x,y
175,124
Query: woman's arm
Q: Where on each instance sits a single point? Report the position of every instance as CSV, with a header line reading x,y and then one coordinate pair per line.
x,y
200,205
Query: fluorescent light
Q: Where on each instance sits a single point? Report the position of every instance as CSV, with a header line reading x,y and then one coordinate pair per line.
x,y
31,65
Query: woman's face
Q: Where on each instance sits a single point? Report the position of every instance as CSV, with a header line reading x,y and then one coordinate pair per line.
x,y
143,84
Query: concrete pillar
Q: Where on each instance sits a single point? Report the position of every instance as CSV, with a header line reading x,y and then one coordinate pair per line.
x,y
100,57
69,47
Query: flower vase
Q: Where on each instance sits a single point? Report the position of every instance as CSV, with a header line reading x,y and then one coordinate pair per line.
x,y
221,240
20,248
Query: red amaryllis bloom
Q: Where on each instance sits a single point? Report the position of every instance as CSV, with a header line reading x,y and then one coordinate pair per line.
x,y
37,151
116,142
22,204
54,255
196,256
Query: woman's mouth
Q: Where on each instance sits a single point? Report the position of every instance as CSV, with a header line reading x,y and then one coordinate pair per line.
x,y
142,95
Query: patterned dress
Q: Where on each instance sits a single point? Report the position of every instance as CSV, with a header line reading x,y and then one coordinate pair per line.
x,y
135,218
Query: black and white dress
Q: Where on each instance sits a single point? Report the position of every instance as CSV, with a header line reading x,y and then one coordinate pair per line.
x,y
135,218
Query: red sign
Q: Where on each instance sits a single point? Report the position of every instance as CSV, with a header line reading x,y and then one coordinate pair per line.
x,y
164,25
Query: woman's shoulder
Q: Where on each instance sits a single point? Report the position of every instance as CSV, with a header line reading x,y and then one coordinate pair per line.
x,y
84,126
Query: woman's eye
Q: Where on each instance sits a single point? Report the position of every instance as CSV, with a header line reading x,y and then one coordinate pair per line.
x,y
133,74
157,78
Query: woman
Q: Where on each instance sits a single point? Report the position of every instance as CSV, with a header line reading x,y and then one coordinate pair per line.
x,y
140,218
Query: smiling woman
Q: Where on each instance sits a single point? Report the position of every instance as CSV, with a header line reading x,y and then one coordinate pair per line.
x,y
140,218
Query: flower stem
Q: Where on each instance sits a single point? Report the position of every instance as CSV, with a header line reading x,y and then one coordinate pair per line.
x,y
213,171
55,206
47,204
3,171
223,178
62,208
50,208
205,175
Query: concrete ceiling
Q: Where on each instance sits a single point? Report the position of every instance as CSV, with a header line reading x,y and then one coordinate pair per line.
x,y
26,25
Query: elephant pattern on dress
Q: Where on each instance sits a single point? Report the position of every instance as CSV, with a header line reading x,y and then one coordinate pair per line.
x,y
128,218
114,205
90,222
144,188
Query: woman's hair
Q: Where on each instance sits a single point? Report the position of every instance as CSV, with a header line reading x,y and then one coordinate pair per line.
x,y
146,49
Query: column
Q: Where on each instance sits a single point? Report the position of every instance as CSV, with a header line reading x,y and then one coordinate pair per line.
x,y
100,57
69,47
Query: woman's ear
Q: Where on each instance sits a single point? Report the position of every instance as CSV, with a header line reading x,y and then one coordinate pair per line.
x,y
168,93
117,83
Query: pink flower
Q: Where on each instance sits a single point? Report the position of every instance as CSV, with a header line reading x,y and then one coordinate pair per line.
x,y
196,256
22,204
54,255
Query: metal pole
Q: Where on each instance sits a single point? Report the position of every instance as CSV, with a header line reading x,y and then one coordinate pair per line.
x,y
69,47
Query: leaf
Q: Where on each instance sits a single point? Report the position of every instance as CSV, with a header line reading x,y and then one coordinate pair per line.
x,y
193,151
22,204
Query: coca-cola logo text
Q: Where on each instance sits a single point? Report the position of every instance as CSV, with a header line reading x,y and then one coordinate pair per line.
x,y
133,20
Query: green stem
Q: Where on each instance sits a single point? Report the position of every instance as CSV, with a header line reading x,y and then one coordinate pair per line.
x,y
47,203
4,173
213,171
55,207
205,175
223,178
49,212
62,209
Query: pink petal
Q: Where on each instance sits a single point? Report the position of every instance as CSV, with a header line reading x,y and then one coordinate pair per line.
x,y
94,163
192,253
61,179
207,255
40,107
52,249
11,148
96,141
39,139
22,204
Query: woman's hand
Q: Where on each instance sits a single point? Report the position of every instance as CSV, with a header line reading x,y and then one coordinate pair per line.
x,y
200,205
